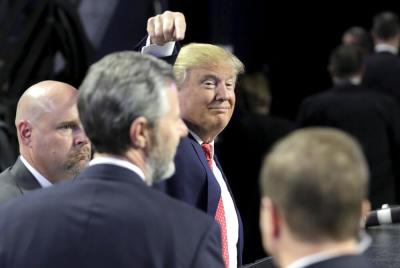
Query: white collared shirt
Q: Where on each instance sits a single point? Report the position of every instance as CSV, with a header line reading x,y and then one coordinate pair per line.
x,y
39,177
99,160
386,48
362,246
355,80
232,224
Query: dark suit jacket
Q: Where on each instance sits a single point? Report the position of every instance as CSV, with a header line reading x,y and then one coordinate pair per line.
x,y
346,261
195,184
372,118
381,73
106,217
15,181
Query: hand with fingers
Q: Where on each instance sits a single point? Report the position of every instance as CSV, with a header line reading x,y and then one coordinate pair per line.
x,y
169,26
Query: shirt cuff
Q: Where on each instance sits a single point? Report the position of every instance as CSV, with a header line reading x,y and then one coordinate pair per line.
x,y
158,51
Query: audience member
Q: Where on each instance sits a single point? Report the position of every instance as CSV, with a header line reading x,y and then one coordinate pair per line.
x,y
206,76
314,188
382,68
108,216
373,118
52,143
358,36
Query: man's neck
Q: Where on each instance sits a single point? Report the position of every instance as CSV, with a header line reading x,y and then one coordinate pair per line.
x,y
204,136
297,252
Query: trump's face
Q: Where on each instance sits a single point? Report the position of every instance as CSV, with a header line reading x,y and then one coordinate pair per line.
x,y
207,99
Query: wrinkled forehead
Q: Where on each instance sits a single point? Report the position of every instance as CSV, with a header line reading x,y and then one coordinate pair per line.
x,y
58,109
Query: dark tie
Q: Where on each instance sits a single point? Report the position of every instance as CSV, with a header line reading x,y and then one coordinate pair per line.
x,y
220,213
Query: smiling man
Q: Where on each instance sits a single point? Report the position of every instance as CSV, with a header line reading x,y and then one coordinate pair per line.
x,y
52,143
206,76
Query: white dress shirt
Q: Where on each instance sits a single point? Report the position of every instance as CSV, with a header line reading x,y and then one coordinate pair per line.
x,y
386,48
39,177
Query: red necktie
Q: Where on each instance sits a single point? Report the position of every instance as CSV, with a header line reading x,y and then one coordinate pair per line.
x,y
220,213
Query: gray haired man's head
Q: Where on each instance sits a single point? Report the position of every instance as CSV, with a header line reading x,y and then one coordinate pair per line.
x,y
117,89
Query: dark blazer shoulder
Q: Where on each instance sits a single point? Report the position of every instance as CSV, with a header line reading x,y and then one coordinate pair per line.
x,y
346,261
15,181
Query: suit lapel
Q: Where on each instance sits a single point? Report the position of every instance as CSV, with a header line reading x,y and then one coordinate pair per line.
x,y
23,178
213,189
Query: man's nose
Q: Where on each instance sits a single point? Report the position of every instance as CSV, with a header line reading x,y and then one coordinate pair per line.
x,y
80,138
223,92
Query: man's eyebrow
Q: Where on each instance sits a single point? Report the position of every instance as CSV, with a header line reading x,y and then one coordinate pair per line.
x,y
70,122
210,76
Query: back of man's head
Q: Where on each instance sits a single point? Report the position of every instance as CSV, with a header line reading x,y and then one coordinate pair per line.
x,y
386,25
202,55
118,89
345,61
358,36
317,178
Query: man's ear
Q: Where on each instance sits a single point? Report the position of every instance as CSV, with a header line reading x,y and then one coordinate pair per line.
x,y
139,133
365,208
273,216
24,131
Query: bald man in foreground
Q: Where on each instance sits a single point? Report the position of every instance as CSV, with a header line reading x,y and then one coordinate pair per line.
x,y
52,144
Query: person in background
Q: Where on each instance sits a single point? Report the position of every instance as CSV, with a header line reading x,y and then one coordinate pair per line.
x,y
370,116
52,143
358,36
382,68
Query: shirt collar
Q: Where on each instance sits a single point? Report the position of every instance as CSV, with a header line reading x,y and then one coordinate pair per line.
x,y
363,244
117,162
198,139
39,177
353,81
386,48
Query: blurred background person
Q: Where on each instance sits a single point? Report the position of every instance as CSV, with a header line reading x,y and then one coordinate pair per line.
x,y
370,116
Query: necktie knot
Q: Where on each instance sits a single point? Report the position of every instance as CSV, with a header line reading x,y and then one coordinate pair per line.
x,y
207,148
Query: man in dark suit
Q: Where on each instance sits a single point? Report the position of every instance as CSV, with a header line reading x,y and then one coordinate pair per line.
x,y
314,189
109,216
373,118
206,76
52,144
382,68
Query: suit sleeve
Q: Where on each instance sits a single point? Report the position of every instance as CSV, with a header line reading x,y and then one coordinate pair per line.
x,y
209,251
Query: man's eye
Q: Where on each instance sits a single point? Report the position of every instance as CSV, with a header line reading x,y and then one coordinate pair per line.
x,y
209,83
67,127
